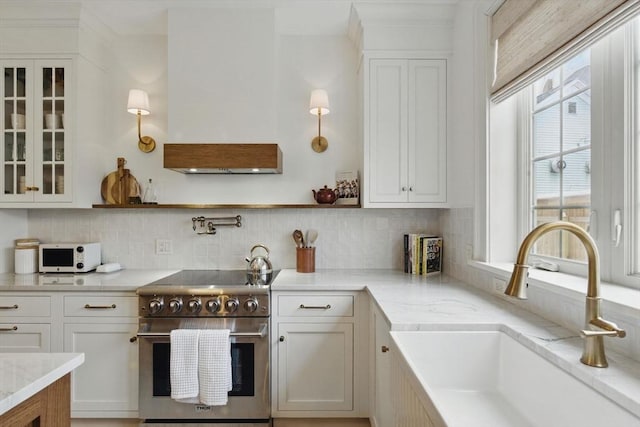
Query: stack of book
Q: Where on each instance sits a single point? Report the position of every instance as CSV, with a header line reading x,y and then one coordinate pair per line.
x,y
422,254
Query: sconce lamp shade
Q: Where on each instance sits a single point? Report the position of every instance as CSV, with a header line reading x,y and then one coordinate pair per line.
x,y
138,102
319,103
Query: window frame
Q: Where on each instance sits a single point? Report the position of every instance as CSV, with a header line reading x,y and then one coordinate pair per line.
x,y
615,82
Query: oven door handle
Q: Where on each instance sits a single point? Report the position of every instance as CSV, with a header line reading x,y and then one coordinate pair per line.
x,y
259,334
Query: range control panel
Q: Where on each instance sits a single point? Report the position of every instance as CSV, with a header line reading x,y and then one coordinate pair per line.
x,y
204,306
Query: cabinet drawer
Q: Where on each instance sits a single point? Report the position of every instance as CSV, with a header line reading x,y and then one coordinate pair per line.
x,y
315,305
25,306
25,338
100,306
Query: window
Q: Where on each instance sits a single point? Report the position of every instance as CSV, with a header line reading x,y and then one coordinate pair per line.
x,y
560,154
580,129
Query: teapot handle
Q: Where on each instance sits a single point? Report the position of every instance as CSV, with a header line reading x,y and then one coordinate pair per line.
x,y
260,246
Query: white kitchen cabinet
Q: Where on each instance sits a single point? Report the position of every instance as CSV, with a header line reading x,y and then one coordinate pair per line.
x,y
25,337
36,111
25,324
405,132
315,363
106,385
382,410
319,355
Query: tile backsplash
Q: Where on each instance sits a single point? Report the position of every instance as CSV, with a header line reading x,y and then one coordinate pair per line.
x,y
348,238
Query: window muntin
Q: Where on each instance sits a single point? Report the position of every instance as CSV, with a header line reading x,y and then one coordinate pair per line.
x,y
560,163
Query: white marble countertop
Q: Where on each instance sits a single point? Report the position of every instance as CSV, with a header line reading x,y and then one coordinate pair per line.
x,y
24,374
442,303
123,280
344,280
409,303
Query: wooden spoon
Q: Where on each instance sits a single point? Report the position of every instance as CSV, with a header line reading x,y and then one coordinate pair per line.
x,y
299,238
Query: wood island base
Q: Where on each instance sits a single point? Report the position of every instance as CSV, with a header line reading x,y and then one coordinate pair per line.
x,y
50,407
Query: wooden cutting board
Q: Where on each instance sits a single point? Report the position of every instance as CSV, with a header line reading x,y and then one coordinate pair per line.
x,y
118,186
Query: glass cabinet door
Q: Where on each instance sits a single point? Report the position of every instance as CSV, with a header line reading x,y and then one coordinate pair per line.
x,y
53,130
16,132
34,142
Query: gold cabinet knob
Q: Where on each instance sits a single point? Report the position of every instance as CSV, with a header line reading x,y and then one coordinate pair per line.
x,y
384,348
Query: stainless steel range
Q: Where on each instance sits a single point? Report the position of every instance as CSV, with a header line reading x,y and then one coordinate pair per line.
x,y
205,299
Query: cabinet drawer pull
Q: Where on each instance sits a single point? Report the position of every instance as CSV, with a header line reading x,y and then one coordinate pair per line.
x,y
384,348
32,188
9,307
315,307
15,328
99,307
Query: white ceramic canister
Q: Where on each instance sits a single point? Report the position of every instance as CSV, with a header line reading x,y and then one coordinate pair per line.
x,y
26,260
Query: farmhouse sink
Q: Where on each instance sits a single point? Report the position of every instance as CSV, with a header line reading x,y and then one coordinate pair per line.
x,y
487,378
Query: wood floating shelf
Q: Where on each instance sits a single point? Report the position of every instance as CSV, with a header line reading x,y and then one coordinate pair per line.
x,y
223,206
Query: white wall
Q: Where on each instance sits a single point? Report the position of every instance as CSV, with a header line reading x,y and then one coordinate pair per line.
x,y
298,65
462,109
14,226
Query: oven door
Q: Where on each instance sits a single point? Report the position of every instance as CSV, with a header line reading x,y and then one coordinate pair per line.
x,y
249,397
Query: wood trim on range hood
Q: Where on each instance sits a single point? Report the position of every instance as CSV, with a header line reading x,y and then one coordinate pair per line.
x,y
223,158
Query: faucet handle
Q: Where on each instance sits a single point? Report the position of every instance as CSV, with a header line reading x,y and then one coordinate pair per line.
x,y
606,328
586,333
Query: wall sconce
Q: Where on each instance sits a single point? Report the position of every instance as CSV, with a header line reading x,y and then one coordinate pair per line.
x,y
139,104
319,105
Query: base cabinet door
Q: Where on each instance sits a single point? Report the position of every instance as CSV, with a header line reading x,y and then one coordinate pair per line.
x,y
315,366
106,385
382,410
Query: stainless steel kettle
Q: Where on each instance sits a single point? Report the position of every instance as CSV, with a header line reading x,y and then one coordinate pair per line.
x,y
259,270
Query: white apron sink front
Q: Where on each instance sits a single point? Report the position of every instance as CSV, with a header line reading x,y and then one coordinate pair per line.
x,y
487,378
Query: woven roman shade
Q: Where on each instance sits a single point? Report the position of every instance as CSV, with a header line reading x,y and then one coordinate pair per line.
x,y
531,37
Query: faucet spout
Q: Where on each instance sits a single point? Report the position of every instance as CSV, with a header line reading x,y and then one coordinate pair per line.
x,y
517,283
595,326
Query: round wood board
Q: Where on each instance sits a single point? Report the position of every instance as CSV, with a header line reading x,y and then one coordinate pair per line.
x,y
110,189
106,188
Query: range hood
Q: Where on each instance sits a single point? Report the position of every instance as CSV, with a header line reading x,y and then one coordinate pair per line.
x,y
223,158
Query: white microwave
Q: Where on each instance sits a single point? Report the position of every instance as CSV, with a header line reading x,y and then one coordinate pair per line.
x,y
69,257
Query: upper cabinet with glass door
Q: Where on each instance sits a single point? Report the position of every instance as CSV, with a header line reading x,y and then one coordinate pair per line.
x,y
35,154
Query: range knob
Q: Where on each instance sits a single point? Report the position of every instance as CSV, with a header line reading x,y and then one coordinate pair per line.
x,y
232,305
175,305
251,305
155,305
213,305
194,305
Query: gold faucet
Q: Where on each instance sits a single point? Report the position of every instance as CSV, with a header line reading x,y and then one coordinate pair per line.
x,y
595,326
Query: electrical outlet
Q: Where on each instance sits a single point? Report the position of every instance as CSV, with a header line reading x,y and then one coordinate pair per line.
x,y
164,247
500,285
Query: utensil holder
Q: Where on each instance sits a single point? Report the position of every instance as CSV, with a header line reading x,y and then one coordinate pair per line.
x,y
306,260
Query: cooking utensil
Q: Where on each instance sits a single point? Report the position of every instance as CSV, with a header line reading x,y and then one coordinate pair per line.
x,y
312,235
259,270
299,238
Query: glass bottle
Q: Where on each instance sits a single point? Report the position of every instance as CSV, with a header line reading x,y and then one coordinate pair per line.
x,y
150,195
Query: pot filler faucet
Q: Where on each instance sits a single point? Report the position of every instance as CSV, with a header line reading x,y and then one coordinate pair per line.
x,y
595,326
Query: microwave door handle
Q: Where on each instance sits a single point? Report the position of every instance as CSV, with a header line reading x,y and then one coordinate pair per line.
x,y
259,334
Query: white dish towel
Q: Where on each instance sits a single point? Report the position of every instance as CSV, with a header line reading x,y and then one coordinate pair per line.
x,y
200,366
214,366
183,367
